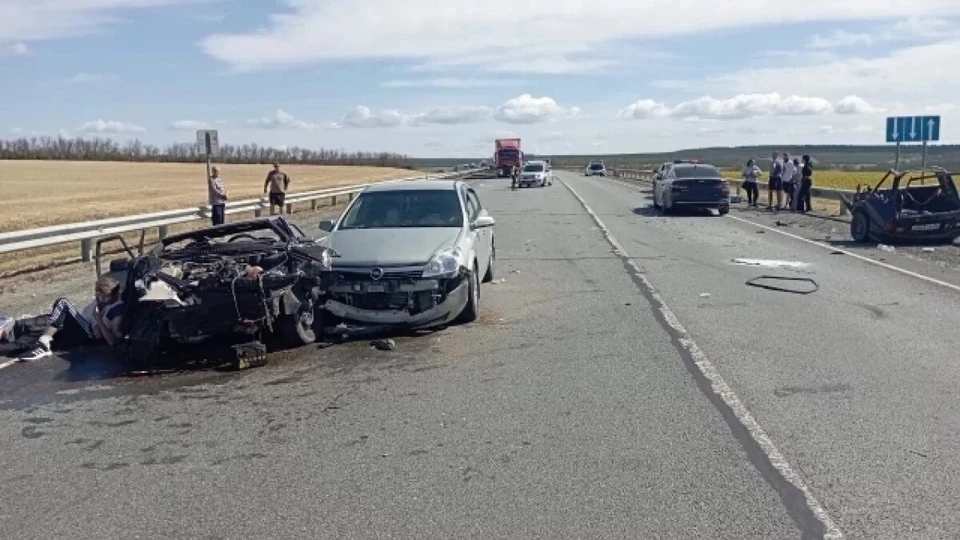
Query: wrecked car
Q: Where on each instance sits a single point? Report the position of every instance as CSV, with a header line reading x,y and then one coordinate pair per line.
x,y
903,207
410,254
249,280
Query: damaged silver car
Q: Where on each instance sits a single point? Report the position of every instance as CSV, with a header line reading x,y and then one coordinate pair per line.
x,y
410,254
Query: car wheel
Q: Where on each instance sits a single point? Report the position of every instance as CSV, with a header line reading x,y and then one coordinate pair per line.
x,y
472,309
297,329
860,227
491,266
724,210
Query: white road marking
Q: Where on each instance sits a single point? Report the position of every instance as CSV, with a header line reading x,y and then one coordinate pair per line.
x,y
851,254
903,271
9,363
720,386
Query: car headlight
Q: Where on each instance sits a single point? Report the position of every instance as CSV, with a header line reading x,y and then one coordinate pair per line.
x,y
445,264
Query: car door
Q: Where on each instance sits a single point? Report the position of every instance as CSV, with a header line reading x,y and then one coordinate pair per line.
x,y
483,236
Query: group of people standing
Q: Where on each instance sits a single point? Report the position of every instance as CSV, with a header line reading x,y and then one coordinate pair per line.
x,y
277,184
790,177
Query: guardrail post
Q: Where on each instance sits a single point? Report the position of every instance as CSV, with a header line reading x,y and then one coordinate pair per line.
x,y
289,208
258,212
86,250
333,200
843,209
162,232
313,204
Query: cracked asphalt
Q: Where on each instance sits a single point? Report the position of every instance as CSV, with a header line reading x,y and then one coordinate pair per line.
x,y
571,409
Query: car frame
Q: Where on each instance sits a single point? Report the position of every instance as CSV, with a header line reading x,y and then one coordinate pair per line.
x,y
708,190
410,276
906,213
217,286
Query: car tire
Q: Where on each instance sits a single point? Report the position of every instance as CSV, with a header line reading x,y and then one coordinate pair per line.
x,y
723,210
472,310
860,227
297,329
491,266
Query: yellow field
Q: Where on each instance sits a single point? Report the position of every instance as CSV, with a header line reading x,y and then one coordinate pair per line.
x,y
830,179
40,193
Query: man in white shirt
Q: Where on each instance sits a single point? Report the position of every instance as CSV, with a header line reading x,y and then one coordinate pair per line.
x,y
217,193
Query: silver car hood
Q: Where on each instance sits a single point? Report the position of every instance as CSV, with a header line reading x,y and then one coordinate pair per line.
x,y
389,247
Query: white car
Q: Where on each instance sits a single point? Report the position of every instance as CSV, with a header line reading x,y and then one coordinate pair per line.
x,y
534,173
595,168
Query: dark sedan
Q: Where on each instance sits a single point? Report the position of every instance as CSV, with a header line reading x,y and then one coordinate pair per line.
x,y
693,186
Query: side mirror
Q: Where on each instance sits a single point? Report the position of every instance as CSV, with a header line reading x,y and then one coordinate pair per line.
x,y
326,225
483,222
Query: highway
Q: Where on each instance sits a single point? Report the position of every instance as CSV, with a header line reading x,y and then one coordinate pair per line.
x,y
623,381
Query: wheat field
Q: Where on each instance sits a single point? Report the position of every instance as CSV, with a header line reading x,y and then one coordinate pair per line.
x,y
829,179
41,193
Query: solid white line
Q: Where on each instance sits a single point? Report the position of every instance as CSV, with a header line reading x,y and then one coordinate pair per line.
x,y
719,385
833,248
851,254
9,363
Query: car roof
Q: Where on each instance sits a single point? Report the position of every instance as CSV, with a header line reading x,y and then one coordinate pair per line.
x,y
414,185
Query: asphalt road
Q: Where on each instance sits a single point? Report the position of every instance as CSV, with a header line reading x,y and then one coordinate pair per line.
x,y
623,381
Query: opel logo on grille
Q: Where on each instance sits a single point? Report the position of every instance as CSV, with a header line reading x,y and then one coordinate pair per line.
x,y
376,273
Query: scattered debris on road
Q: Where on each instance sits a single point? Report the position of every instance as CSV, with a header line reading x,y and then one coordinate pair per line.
x,y
782,223
928,250
885,247
759,283
705,295
793,265
384,344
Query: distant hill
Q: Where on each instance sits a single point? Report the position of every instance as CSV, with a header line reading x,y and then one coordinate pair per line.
x,y
825,156
866,158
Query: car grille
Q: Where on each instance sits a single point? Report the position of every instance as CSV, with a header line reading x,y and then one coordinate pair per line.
x,y
364,274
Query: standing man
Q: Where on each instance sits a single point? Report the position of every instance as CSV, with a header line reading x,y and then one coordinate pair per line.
x,y
277,182
776,182
217,193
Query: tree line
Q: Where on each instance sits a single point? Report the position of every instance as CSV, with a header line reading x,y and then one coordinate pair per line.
x,y
104,149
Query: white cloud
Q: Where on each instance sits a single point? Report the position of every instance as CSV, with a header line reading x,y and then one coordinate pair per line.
x,y
54,19
449,82
110,126
841,38
190,125
855,105
517,35
13,49
281,119
16,130
523,109
744,106
643,109
911,29
526,109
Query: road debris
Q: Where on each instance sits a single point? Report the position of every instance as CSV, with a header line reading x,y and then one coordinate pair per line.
x,y
759,283
384,344
793,265
705,295
884,247
927,250
782,223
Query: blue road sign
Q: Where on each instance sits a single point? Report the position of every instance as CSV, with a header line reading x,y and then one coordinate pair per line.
x,y
915,129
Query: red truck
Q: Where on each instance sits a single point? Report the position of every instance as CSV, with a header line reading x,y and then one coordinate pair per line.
x,y
507,154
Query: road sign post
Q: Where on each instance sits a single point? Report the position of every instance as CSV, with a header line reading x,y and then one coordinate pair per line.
x,y
208,143
913,129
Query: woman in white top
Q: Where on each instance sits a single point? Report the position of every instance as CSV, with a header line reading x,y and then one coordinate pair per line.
x,y
750,175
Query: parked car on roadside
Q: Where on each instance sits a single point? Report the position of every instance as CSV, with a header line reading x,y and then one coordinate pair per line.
x,y
410,254
595,168
694,186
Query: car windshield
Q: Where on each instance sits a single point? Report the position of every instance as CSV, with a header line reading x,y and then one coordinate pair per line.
x,y
700,171
596,166
405,208
533,167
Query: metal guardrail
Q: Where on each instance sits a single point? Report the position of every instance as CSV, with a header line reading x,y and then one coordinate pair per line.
x,y
87,232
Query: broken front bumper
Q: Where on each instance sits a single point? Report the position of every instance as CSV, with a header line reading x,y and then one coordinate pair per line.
x,y
444,312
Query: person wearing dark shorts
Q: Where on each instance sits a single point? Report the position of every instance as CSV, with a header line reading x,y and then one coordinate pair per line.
x,y
776,182
806,183
217,196
277,183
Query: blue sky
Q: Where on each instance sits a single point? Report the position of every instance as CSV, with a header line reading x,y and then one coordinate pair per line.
x,y
567,75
